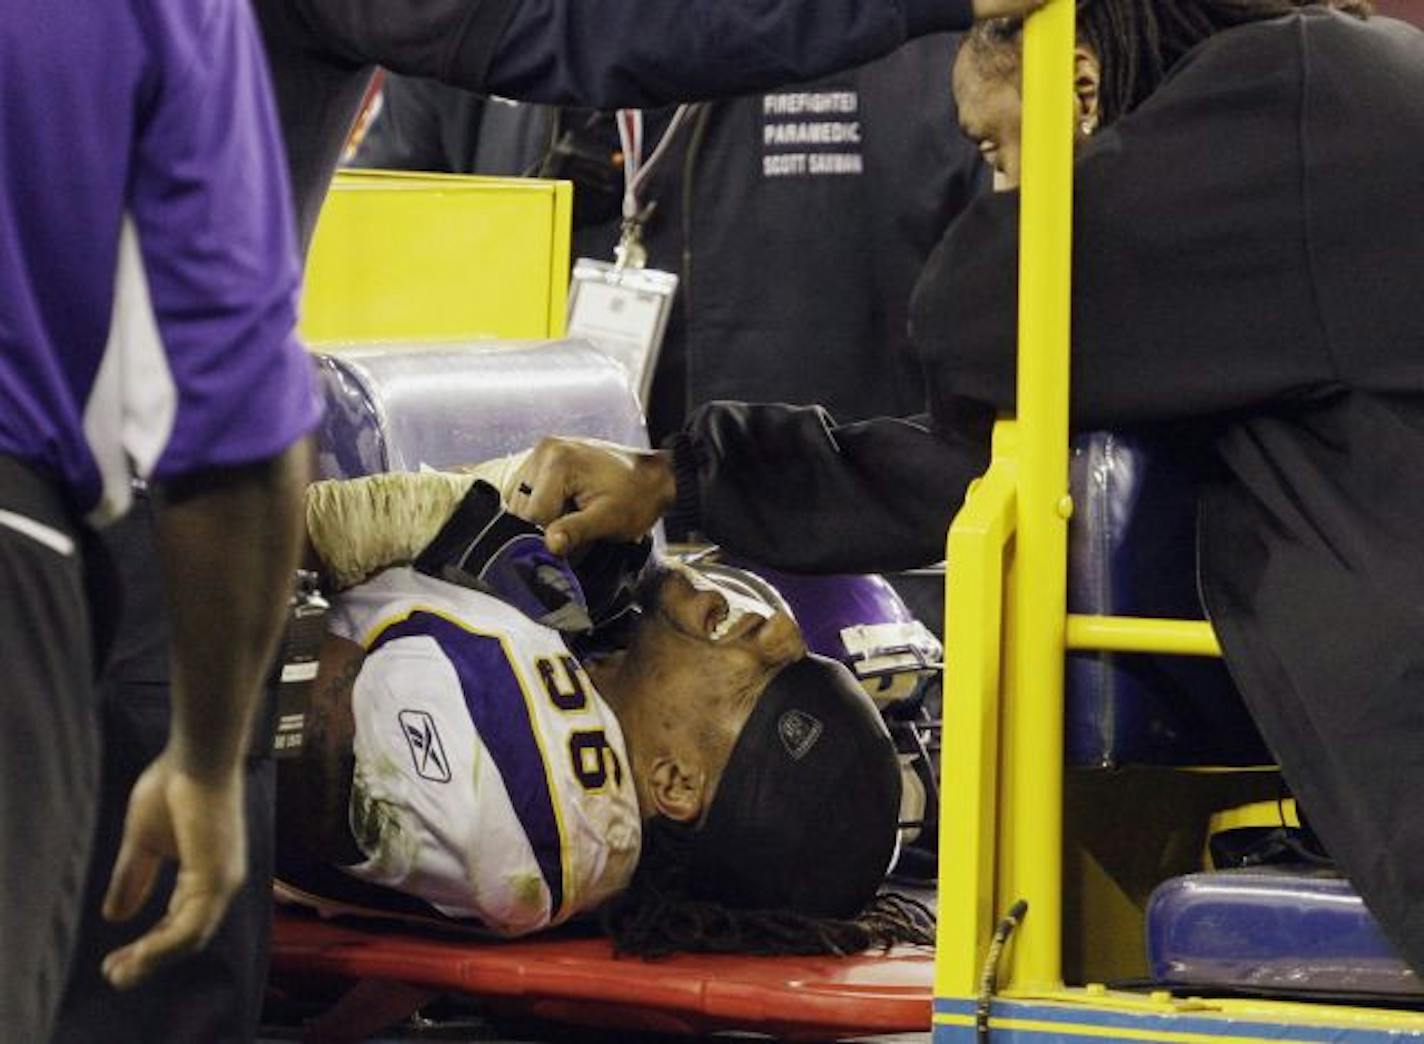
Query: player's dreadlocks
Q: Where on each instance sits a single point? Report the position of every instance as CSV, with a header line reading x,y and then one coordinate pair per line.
x,y
655,917
1138,41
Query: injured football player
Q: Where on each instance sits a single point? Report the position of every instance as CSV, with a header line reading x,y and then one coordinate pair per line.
x,y
499,737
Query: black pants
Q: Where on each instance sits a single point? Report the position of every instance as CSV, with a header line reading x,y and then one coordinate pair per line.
x,y
215,996
48,749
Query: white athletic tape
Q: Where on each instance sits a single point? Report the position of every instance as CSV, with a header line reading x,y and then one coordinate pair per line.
x,y
361,526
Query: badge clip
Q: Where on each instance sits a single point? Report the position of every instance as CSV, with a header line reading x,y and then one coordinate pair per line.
x,y
630,252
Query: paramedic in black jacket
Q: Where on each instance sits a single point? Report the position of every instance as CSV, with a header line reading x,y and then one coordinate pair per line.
x,y
322,54
796,258
1248,248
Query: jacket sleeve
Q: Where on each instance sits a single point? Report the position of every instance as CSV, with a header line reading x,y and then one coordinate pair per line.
x,y
649,53
787,486
622,53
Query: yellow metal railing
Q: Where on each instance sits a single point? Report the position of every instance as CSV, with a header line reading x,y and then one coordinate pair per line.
x,y
1131,634
1007,633
1007,625
1033,755
977,553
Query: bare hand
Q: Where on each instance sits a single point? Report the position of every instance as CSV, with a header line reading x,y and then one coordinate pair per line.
x,y
583,490
1005,8
174,815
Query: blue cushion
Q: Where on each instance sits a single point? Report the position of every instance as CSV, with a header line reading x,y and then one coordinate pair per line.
x,y
1132,553
1269,930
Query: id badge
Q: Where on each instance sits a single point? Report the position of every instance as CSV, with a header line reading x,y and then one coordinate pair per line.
x,y
624,313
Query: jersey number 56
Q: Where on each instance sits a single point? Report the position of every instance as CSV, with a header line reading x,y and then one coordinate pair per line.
x,y
591,756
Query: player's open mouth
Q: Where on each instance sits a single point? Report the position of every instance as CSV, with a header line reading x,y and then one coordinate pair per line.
x,y
731,617
738,613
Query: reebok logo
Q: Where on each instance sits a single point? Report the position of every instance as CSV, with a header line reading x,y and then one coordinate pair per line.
x,y
799,733
426,750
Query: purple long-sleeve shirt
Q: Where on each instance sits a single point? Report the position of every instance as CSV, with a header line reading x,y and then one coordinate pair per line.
x,y
148,269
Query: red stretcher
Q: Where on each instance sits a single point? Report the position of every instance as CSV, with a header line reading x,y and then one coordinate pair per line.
x,y
394,971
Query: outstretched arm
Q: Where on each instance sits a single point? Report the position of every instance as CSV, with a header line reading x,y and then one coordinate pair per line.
x,y
649,53
783,485
208,271
619,53
229,541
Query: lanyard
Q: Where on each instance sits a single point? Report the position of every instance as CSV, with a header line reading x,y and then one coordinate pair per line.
x,y
636,171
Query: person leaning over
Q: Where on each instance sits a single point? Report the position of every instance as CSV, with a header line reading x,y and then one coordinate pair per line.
x,y
147,300
1248,242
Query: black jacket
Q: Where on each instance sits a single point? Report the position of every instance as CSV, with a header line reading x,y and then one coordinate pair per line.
x,y
796,284
1248,256
797,259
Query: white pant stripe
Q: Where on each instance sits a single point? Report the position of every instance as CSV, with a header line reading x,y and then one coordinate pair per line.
x,y
38,531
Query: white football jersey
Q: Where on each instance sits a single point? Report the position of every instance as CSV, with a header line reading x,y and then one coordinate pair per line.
x,y
491,780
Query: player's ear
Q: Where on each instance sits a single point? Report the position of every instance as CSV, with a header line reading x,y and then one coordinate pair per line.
x,y
677,788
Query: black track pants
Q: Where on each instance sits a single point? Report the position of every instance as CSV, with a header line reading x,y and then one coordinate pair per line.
x,y
49,763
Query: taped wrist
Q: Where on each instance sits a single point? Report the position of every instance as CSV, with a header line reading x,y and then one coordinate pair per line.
x,y
485,548
360,526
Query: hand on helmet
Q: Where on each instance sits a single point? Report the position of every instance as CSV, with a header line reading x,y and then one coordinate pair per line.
x,y
583,490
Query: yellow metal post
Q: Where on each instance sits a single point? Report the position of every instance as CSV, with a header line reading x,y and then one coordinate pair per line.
x,y
968,839
1034,750
1005,646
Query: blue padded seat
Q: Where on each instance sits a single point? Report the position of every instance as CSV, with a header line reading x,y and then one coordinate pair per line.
x,y
1132,553
1280,929
400,408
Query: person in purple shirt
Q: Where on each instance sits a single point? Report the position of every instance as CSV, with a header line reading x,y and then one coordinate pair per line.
x,y
148,278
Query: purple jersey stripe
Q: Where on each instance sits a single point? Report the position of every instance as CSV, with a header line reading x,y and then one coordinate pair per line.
x,y
495,700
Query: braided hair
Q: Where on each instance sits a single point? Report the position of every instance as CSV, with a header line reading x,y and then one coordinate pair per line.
x,y
1138,41
655,916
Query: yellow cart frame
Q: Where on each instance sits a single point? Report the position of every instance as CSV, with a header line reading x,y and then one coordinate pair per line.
x,y
1007,632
